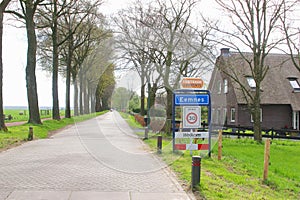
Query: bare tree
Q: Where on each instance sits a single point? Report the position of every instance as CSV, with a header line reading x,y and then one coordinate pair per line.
x,y
50,27
255,27
94,67
3,6
175,53
85,58
73,22
292,34
132,37
26,12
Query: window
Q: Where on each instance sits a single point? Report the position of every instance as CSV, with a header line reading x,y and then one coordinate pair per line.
x,y
219,87
295,120
251,82
260,116
232,115
225,86
294,83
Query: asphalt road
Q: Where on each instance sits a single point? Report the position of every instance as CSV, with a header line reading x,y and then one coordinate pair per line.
x,y
97,159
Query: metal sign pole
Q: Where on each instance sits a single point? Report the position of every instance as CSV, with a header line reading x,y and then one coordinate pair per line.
x,y
173,122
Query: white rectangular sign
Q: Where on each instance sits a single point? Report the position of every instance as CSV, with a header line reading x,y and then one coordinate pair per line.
x,y
191,117
191,134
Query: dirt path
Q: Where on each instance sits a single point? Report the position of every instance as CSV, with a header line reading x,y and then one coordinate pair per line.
x,y
8,124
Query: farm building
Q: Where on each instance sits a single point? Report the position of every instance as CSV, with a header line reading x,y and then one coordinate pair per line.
x,y
280,91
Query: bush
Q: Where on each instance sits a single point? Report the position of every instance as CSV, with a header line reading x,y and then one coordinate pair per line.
x,y
140,119
136,110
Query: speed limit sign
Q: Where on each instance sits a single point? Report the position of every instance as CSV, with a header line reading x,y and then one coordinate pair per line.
x,y
191,117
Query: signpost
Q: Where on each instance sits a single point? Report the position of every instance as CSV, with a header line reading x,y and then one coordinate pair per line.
x,y
190,102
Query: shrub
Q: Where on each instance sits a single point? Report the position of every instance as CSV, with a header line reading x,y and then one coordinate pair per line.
x,y
140,119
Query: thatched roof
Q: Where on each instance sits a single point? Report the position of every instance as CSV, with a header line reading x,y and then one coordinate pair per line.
x,y
276,87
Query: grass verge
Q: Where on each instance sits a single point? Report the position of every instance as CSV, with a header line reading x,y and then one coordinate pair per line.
x,y
19,134
239,174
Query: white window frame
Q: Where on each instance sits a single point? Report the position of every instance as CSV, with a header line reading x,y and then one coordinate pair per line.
x,y
296,120
294,83
232,114
251,82
219,87
225,86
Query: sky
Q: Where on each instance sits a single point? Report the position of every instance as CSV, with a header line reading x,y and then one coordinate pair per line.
x,y
14,64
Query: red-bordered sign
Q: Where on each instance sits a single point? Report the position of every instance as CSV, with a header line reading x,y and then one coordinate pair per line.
x,y
191,117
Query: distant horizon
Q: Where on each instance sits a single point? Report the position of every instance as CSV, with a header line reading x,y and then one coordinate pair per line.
x,y
26,107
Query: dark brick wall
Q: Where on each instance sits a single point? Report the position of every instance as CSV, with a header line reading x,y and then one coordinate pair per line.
x,y
273,116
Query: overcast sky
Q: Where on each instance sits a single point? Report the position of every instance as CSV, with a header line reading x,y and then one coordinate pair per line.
x,y
14,61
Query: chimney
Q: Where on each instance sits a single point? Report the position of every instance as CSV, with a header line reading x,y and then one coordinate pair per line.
x,y
225,52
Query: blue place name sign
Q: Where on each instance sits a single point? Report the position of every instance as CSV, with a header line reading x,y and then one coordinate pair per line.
x,y
190,99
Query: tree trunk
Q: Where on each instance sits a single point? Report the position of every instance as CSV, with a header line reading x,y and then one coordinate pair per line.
x,y
75,84
93,103
81,85
68,77
84,96
169,92
55,101
86,99
142,112
256,116
98,99
168,123
2,120
152,95
34,114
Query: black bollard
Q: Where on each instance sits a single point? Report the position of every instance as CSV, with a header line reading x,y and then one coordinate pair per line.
x,y
196,169
146,133
30,134
159,144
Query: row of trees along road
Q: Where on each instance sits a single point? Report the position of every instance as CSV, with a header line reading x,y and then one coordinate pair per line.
x,y
162,42
67,37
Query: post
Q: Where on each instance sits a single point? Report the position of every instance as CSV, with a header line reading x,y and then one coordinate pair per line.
x,y
159,143
267,158
30,134
220,145
146,133
196,169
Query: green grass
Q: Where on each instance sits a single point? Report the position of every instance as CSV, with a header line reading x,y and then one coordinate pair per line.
x,y
130,120
18,134
20,115
23,115
239,174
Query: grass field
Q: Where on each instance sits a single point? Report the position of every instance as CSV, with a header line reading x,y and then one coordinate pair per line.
x,y
19,134
23,115
239,174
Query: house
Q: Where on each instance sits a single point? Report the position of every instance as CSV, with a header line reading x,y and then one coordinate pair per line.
x,y
280,91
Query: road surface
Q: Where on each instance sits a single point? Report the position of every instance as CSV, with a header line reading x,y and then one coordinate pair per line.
x,y
97,159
